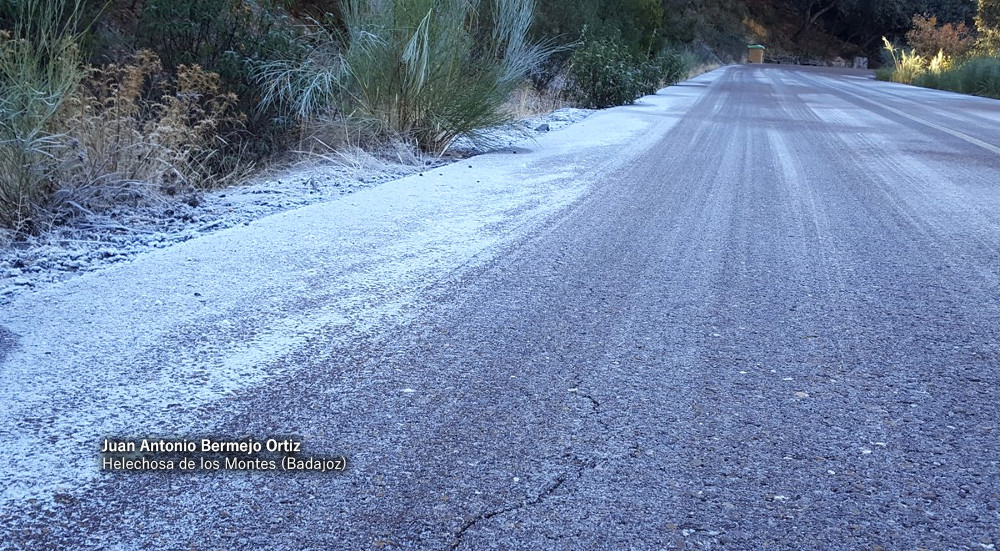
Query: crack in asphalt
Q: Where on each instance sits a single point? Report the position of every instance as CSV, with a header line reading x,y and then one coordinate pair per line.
x,y
593,401
582,467
469,524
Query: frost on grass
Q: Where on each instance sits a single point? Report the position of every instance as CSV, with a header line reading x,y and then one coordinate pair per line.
x,y
119,234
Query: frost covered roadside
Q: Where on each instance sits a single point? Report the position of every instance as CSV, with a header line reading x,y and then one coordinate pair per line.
x,y
94,242
166,344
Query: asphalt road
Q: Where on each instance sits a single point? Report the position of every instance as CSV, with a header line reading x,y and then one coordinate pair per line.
x,y
777,327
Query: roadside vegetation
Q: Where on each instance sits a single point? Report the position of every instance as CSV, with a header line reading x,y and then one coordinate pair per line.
x,y
421,71
117,103
949,56
112,103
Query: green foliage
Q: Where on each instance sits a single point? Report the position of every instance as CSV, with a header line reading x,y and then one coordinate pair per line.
x,y
230,38
605,73
948,11
670,66
977,76
40,68
988,24
426,70
637,24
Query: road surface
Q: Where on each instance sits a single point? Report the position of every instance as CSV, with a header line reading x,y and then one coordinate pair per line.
x,y
762,314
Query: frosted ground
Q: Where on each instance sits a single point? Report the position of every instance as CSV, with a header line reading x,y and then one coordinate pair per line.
x,y
157,346
93,242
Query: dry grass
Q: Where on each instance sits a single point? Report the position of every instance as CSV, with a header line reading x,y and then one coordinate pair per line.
x,y
356,145
130,135
906,66
700,69
39,70
527,101
77,139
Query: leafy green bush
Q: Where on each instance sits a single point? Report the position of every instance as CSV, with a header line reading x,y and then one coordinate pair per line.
x,y
988,25
40,69
672,66
424,70
605,73
637,24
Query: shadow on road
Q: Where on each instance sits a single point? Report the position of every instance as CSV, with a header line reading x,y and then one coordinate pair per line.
x,y
8,341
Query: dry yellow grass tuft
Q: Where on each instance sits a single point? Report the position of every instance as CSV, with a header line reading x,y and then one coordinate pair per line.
x,y
526,101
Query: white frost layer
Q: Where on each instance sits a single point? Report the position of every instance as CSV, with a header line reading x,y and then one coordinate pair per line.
x,y
142,348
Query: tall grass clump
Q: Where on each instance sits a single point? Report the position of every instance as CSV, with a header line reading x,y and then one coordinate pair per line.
x,y
40,69
424,70
901,65
977,76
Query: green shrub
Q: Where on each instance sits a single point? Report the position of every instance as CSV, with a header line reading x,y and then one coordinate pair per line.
x,y
674,66
980,76
667,68
977,76
605,73
40,69
424,70
637,24
988,25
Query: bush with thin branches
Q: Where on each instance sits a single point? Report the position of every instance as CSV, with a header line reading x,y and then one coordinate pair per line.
x,y
928,38
132,131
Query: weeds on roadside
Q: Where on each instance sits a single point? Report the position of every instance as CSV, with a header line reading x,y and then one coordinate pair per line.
x,y
131,130
905,67
605,73
78,140
528,101
977,76
423,70
230,38
40,69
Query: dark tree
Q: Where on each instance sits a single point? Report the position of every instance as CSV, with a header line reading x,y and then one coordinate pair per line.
x,y
811,11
